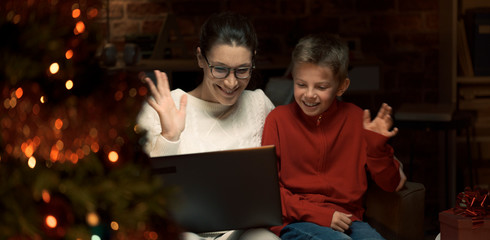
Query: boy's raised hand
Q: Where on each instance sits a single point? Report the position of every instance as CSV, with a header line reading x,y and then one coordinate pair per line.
x,y
171,118
382,123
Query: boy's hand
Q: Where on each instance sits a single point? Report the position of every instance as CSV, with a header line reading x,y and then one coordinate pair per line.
x,y
382,123
341,221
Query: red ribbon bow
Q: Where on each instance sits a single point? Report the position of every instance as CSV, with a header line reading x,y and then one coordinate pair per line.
x,y
474,204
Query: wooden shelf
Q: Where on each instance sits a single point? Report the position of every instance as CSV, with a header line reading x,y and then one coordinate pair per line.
x,y
473,80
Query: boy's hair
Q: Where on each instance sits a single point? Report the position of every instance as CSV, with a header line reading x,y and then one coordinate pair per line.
x,y
323,50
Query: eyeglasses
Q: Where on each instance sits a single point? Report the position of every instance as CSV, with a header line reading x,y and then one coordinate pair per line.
x,y
221,72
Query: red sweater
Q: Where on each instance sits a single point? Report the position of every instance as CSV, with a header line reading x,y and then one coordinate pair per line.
x,y
324,160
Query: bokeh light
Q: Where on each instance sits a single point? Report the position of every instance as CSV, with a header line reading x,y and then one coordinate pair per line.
x,y
54,68
69,54
79,28
113,156
69,84
58,124
51,221
114,225
19,92
46,196
75,13
92,219
31,162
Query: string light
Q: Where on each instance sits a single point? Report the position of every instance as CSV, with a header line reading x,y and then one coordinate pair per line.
x,y
114,225
54,68
19,92
79,28
75,13
92,219
46,196
113,156
31,162
51,221
69,84
69,54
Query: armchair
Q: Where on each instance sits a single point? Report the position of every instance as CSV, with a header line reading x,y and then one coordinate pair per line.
x,y
396,215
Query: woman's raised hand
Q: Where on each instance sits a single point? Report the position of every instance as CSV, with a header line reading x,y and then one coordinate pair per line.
x,y
382,123
171,118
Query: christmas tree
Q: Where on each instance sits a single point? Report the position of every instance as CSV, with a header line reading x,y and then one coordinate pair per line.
x,y
71,165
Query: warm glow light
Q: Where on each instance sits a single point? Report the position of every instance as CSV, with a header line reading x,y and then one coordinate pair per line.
x,y
42,99
92,13
113,156
92,219
46,196
29,150
79,28
69,54
118,95
75,13
152,235
19,92
54,68
142,91
16,19
69,84
133,92
58,124
36,109
51,221
31,162
53,155
114,226
60,145
95,147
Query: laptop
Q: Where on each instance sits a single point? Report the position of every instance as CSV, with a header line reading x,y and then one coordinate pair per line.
x,y
222,190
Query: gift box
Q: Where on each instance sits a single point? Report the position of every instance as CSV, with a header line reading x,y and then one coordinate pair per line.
x,y
470,219
459,227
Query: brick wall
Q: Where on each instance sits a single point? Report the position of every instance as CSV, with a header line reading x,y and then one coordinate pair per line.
x,y
402,34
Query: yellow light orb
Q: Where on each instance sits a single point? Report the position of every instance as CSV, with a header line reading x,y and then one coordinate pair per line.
x,y
42,99
54,68
113,156
31,162
92,219
114,225
69,84
51,221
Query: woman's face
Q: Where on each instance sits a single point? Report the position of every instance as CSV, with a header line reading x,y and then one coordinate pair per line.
x,y
224,90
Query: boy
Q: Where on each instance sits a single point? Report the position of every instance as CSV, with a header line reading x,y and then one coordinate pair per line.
x,y
326,147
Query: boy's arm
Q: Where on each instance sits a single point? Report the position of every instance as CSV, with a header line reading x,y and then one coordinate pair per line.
x,y
384,168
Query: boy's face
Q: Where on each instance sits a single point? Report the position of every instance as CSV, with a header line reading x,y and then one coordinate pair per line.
x,y
315,87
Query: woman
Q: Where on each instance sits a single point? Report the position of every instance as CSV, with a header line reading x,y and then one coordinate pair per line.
x,y
219,113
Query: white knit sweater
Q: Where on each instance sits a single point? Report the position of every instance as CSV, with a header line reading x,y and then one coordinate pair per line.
x,y
209,126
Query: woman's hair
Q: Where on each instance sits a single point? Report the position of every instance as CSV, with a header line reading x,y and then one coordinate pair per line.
x,y
228,28
323,50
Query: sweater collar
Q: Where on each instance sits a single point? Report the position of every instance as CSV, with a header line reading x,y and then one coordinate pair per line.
x,y
319,119
212,108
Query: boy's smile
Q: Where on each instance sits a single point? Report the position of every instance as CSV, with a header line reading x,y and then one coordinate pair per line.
x,y
315,87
